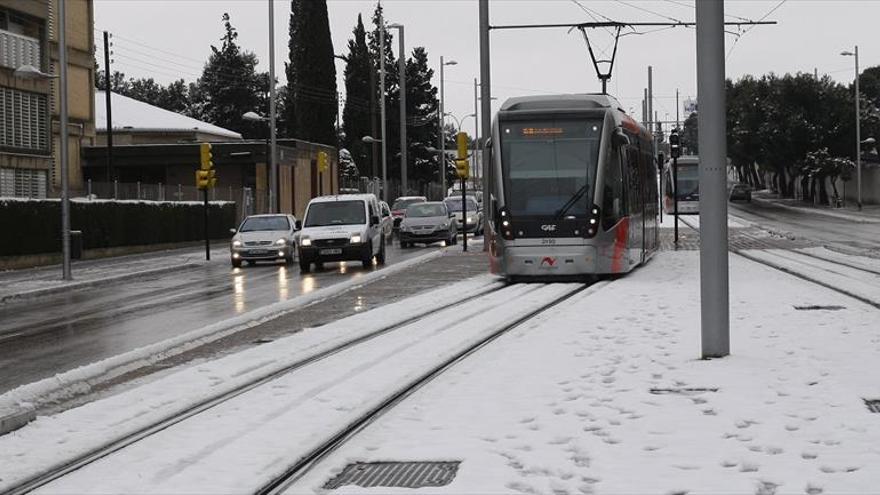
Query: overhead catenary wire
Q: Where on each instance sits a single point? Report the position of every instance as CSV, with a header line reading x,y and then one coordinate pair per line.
x,y
749,28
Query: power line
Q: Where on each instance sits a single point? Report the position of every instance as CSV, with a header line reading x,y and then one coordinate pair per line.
x,y
643,9
746,31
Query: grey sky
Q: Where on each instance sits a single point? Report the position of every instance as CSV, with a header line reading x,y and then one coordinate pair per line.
x,y
810,34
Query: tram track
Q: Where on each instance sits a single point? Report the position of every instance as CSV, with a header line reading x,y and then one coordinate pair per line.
x,y
109,448
309,460
793,255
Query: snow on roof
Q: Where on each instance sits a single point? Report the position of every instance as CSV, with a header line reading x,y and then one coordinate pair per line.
x,y
133,115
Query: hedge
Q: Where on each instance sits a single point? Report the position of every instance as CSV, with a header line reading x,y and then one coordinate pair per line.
x,y
34,226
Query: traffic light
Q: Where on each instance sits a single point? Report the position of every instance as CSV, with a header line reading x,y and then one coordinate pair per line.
x,y
674,144
323,161
206,175
462,166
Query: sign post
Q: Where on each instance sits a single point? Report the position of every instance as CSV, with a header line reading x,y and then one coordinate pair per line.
x,y
463,169
206,178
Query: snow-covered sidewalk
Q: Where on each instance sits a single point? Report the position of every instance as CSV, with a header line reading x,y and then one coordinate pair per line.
x,y
33,282
607,395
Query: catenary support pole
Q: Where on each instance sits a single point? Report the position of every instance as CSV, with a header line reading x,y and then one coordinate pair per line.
x,y
65,158
714,303
475,173
207,231
485,114
441,118
274,201
464,216
858,137
382,107
109,106
402,76
650,104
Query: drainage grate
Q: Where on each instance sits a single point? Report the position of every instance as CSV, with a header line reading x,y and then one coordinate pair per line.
x,y
873,405
683,390
396,474
814,307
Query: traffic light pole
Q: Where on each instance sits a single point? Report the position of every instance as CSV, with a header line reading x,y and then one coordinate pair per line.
x,y
464,215
207,236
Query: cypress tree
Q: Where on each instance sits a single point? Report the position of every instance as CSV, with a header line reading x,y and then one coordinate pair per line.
x,y
421,112
356,114
311,74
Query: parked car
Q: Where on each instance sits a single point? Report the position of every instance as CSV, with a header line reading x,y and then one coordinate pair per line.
x,y
387,221
345,227
426,223
398,209
740,191
469,220
263,238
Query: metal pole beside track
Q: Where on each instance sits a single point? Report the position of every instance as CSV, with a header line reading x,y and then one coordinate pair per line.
x,y
486,115
714,297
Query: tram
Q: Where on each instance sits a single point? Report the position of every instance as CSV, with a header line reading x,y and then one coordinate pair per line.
x,y
688,185
572,189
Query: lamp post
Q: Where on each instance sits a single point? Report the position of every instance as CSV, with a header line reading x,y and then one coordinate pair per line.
x,y
270,155
31,72
401,69
382,107
274,204
443,130
855,54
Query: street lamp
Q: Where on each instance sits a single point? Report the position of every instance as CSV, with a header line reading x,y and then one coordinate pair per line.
x,y
270,155
443,129
401,69
855,54
374,141
31,72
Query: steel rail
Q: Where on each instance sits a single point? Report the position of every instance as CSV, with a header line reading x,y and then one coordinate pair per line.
x,y
305,463
118,444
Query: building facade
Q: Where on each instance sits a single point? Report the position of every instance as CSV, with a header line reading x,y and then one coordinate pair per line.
x,y
30,108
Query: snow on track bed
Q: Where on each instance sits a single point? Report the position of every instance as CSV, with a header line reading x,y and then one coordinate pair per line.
x,y
855,276
93,427
236,446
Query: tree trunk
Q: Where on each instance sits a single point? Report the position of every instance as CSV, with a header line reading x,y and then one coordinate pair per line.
x,y
805,193
823,192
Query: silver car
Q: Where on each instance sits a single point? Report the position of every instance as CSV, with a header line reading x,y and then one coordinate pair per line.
x,y
471,220
263,238
426,223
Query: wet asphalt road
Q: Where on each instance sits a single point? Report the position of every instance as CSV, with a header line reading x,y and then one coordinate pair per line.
x,y
829,231
52,334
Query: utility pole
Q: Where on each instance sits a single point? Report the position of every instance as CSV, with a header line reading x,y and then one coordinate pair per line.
x,y
714,296
677,106
858,138
65,163
476,174
650,104
107,91
402,76
485,111
442,119
274,202
382,96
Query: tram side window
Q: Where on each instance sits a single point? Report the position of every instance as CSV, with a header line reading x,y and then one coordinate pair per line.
x,y
612,192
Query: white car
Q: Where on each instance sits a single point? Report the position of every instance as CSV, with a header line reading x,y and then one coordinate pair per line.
x,y
387,221
346,227
263,238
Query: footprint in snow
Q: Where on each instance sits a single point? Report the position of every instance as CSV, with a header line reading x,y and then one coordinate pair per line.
x,y
827,469
772,450
559,411
792,427
729,463
809,454
812,489
748,467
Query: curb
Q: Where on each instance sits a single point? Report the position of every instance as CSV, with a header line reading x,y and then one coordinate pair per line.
x,y
91,283
818,211
80,381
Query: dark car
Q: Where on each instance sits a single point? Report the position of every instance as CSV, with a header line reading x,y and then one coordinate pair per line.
x,y
426,223
741,192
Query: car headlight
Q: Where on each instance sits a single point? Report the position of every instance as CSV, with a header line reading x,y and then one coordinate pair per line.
x,y
281,242
356,239
305,241
236,243
470,220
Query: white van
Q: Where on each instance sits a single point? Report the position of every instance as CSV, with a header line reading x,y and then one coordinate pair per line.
x,y
345,227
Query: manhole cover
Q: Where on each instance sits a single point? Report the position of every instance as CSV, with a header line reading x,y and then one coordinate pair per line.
x,y
396,474
873,405
814,307
683,390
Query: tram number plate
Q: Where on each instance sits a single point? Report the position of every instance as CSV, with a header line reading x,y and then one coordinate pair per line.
x,y
330,251
548,242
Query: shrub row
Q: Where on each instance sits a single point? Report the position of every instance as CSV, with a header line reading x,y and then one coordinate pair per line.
x,y
34,226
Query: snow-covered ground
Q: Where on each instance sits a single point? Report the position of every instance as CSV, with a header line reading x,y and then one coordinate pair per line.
x,y
564,405
579,400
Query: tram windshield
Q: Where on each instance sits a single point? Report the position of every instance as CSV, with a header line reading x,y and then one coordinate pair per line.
x,y
688,181
549,166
